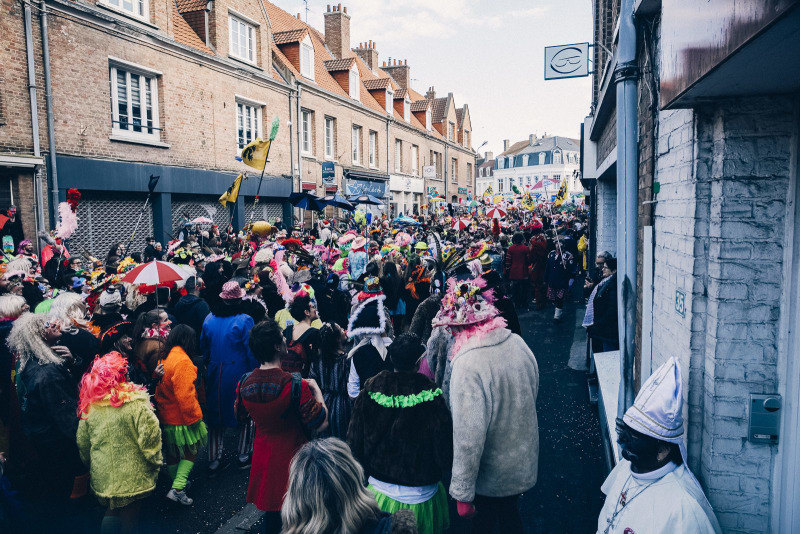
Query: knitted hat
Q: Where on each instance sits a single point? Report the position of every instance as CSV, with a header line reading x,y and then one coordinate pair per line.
x,y
369,318
231,290
466,303
110,298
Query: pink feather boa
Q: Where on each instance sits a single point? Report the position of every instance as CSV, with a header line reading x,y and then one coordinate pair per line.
x,y
68,221
462,334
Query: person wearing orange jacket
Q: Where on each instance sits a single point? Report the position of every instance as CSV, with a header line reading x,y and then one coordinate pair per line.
x,y
179,410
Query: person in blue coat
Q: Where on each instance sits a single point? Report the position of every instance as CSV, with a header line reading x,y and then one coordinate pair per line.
x,y
227,357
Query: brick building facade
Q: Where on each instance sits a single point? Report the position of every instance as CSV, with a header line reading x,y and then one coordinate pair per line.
x,y
175,90
717,191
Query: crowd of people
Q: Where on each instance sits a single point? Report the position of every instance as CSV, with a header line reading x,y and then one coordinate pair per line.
x,y
373,373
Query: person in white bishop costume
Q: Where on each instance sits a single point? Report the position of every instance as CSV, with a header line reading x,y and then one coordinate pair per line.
x,y
652,490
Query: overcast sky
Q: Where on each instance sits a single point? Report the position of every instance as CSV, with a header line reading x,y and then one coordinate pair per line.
x,y
490,57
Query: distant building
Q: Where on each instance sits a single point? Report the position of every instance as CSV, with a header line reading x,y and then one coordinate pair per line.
x,y
536,165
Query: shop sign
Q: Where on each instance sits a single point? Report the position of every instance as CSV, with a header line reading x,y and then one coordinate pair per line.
x,y
462,190
328,172
359,187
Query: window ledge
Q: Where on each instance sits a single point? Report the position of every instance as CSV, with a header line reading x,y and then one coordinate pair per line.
x,y
308,157
122,138
245,62
127,14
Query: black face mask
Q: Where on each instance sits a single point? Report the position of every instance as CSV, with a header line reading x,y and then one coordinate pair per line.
x,y
640,450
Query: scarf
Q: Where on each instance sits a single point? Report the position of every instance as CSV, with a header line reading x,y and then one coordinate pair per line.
x,y
157,332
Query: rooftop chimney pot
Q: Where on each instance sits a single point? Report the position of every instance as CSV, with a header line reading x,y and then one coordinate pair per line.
x,y
505,145
337,31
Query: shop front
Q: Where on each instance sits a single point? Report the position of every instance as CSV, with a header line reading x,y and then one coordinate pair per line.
x,y
406,192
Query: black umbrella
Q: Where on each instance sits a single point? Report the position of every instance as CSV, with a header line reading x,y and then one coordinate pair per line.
x,y
365,199
337,201
306,201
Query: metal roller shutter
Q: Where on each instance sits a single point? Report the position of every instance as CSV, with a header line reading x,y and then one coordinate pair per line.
x,y
263,211
192,206
107,218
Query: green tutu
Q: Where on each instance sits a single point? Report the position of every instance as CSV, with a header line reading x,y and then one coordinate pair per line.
x,y
180,439
433,515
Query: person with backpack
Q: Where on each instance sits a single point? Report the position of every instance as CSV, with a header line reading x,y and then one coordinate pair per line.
x,y
286,409
326,494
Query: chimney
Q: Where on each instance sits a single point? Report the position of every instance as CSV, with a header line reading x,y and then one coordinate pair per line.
x,y
489,156
337,30
532,139
431,94
505,145
369,54
400,71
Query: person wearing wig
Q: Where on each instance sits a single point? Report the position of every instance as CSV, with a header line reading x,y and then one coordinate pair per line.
x,y
326,494
119,440
48,397
179,410
493,386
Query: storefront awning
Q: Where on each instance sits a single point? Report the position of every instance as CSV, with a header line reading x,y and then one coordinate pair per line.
x,y
365,175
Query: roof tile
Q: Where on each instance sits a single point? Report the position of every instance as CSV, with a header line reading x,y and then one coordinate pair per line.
x,y
333,65
186,6
184,34
289,36
377,83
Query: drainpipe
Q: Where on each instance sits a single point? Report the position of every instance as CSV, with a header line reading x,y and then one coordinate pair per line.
x,y
299,144
48,98
34,116
625,78
385,207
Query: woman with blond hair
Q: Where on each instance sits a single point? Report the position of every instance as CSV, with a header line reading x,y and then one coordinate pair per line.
x,y
119,440
326,495
11,307
77,334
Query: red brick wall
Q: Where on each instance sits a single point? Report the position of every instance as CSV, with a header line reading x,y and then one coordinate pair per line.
x,y
292,53
197,20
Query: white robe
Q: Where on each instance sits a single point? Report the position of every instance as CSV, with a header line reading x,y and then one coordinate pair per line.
x,y
670,501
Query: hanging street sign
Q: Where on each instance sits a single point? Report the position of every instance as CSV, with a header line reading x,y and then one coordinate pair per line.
x,y
566,61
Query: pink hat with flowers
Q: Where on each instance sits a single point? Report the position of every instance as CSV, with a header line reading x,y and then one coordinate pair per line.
x,y
466,303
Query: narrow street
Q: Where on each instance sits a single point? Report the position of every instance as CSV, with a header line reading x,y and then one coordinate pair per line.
x,y
566,498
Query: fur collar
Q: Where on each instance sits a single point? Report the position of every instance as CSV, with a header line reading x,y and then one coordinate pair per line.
x,y
479,340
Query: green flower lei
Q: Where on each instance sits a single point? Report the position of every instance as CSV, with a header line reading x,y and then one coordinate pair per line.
x,y
405,401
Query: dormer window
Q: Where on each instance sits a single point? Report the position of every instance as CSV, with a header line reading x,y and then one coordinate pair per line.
x,y
557,157
307,58
428,120
541,158
354,84
389,100
407,109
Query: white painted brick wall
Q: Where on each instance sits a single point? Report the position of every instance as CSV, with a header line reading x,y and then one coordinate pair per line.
x,y
719,224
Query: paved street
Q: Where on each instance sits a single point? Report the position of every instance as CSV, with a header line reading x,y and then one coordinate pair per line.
x,y
567,495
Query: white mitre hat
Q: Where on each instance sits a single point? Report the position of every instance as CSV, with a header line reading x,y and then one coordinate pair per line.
x,y
658,408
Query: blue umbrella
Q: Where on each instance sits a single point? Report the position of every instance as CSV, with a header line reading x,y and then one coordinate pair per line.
x,y
306,201
405,219
365,199
337,201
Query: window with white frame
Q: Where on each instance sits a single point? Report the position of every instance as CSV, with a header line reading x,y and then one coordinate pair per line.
x,y
354,84
389,100
243,39
406,109
453,169
356,141
557,157
134,103
248,123
137,8
373,148
428,123
450,129
541,158
500,183
307,58
306,125
414,160
330,137
398,155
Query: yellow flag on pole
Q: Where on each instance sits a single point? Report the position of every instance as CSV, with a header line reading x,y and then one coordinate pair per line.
x,y
489,191
562,194
233,191
255,153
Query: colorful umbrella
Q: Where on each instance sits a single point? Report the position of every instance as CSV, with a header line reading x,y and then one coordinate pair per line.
x,y
496,213
154,273
460,224
437,199
201,220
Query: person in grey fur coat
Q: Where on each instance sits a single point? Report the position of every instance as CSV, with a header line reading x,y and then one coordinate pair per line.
x,y
493,387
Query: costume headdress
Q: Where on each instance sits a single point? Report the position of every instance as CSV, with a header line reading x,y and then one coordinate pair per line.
x,y
369,318
466,303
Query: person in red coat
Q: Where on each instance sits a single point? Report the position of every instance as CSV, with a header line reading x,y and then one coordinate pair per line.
x,y
516,270
538,258
281,425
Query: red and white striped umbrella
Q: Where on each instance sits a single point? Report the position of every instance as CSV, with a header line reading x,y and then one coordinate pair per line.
x,y
496,213
154,273
460,224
